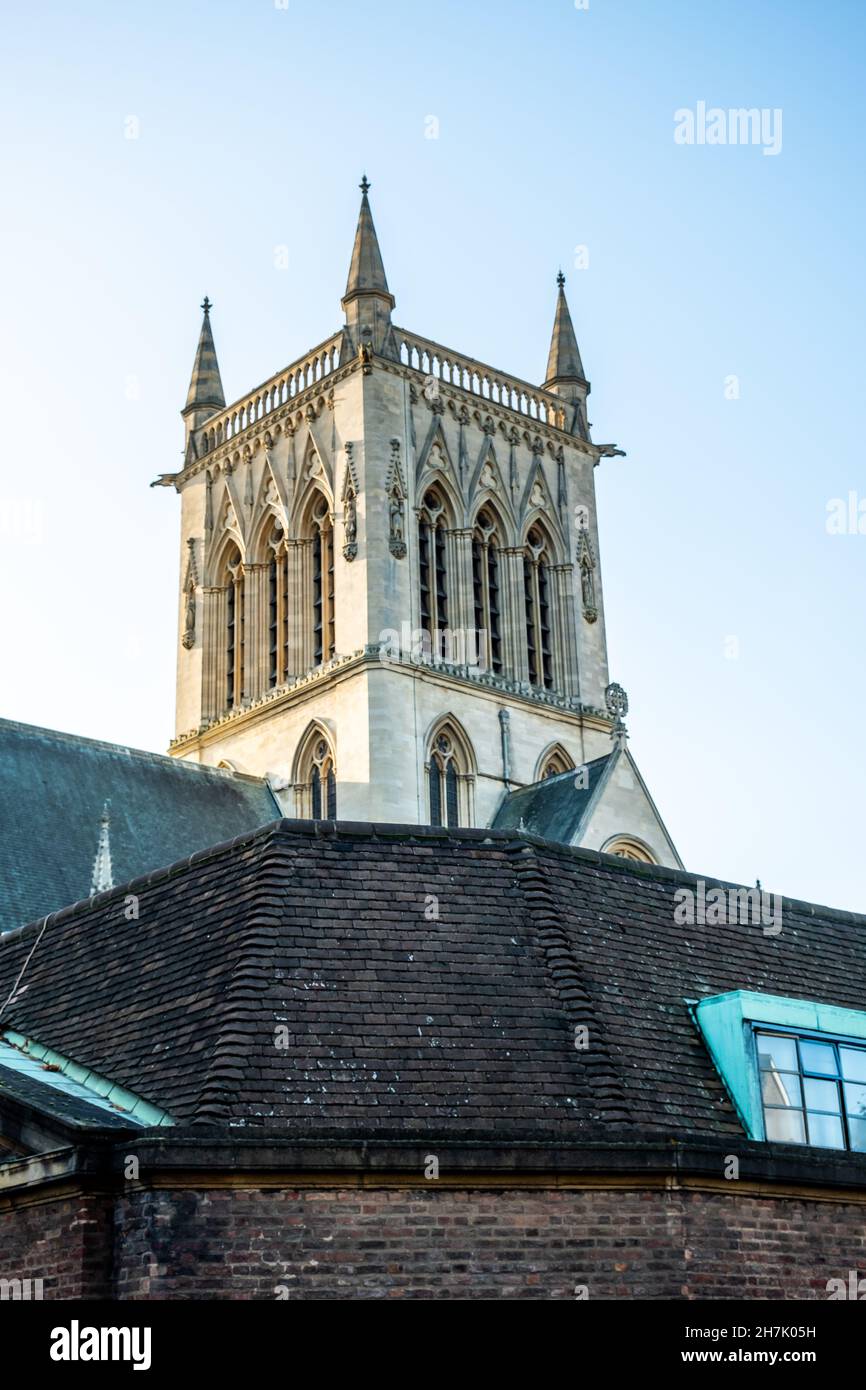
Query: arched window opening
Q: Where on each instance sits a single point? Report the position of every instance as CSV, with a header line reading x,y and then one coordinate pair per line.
x,y
449,778
485,585
555,762
316,774
277,608
536,588
433,568
324,645
625,847
234,636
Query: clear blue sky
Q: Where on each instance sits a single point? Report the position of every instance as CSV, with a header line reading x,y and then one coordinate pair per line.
x,y
555,130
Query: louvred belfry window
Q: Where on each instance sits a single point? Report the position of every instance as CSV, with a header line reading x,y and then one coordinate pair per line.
x,y
536,589
323,584
234,638
432,564
485,591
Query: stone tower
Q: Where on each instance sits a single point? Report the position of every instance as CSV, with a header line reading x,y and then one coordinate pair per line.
x,y
391,601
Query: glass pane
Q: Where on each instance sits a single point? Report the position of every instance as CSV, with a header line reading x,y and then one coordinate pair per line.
x,y
825,1132
820,1057
785,1125
822,1095
857,1131
779,1054
853,1063
782,1088
855,1099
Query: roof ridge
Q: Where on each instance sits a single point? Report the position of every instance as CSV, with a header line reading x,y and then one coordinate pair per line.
x,y
604,1088
389,830
64,736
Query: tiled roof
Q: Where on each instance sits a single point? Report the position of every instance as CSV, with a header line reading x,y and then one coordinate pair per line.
x,y
377,980
53,787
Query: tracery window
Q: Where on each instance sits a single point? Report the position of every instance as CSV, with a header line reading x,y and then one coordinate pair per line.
x,y
316,774
486,590
626,848
536,588
555,762
433,566
278,609
234,631
449,777
323,582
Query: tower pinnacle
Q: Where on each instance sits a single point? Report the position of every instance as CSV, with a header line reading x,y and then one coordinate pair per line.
x,y
102,879
368,301
205,393
563,362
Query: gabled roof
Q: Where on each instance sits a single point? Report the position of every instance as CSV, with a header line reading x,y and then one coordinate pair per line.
x,y
555,808
53,789
396,980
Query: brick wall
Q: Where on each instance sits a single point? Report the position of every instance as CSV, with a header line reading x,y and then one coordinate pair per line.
x,y
67,1243
390,1243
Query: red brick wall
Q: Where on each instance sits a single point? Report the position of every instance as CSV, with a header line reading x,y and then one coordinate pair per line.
x,y
443,1243
483,1244
67,1243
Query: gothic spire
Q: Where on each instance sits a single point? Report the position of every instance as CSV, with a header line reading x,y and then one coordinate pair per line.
x,y
205,386
368,301
101,879
367,270
563,362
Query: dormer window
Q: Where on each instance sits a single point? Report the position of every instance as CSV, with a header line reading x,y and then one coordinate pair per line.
x,y
813,1090
794,1069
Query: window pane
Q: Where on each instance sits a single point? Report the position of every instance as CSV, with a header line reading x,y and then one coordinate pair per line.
x,y
782,1088
777,1054
821,1095
825,1132
820,1057
857,1130
855,1100
853,1063
786,1126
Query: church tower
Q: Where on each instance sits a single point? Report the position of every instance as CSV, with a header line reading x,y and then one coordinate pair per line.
x,y
391,601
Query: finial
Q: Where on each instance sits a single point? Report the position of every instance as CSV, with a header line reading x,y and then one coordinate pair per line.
x,y
207,306
365,185
560,279
617,707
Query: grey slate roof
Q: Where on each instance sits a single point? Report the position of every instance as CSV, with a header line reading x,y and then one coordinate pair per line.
x,y
553,809
52,790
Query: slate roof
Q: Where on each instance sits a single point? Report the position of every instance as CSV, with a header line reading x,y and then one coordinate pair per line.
x,y
52,790
428,982
554,808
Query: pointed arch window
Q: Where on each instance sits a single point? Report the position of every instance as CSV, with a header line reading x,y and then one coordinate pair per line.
x,y
278,589
486,590
433,574
324,645
234,629
449,778
316,784
554,762
536,588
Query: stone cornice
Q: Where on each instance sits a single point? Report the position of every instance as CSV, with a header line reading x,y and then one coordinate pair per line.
x,y
369,658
